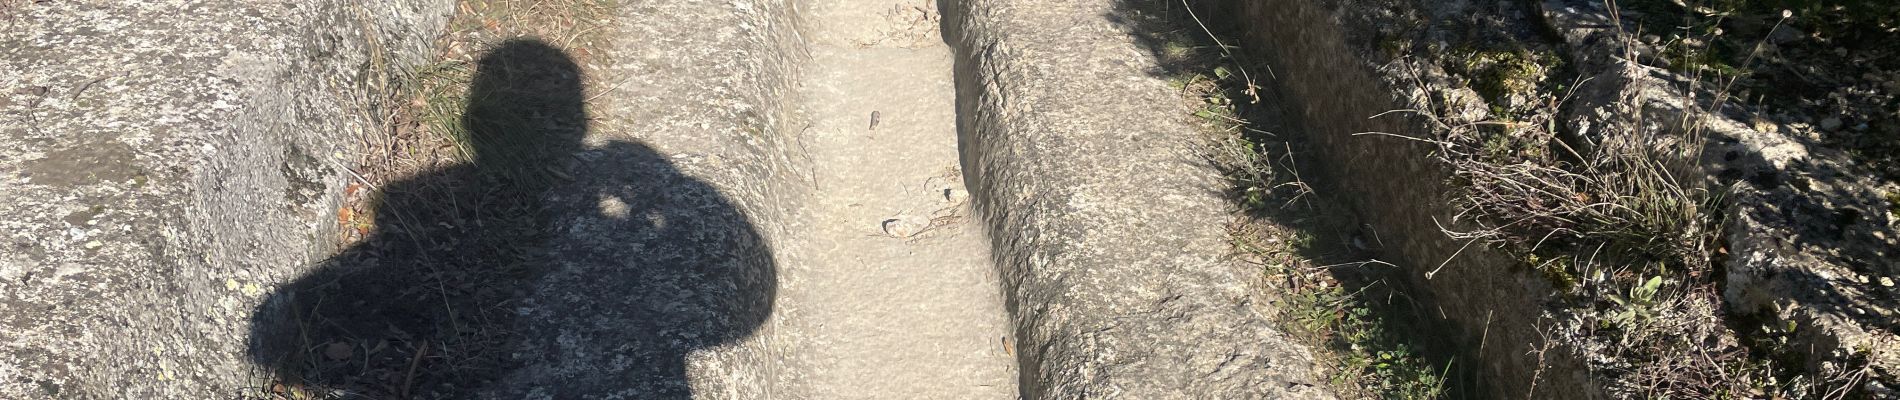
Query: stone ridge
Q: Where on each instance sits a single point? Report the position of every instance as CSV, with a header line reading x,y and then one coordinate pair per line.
x,y
1108,234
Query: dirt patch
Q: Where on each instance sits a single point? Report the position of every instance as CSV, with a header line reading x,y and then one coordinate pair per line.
x,y
93,162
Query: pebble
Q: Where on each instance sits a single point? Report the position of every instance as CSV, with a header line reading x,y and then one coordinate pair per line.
x,y
1765,126
1886,281
1831,123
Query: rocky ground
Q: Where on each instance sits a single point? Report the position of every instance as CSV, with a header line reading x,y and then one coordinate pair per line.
x,y
592,199
948,199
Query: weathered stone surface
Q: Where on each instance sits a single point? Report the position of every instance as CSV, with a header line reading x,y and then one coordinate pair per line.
x,y
1107,232
165,162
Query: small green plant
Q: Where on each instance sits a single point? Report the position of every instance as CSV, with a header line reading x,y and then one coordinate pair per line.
x,y
1367,357
1395,369
1497,75
1637,308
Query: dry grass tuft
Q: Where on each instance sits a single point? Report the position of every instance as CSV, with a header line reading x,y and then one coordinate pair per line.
x,y
1626,198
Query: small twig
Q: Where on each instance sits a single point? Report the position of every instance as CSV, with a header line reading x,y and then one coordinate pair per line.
x,y
1437,142
1454,255
410,376
1357,264
1487,332
82,88
1251,88
359,177
1293,166
1539,372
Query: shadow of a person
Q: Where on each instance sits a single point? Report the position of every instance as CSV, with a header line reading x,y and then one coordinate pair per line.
x,y
545,266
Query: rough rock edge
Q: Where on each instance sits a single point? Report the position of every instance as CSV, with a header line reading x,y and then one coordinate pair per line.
x,y
1491,308
205,142
1107,234
1789,257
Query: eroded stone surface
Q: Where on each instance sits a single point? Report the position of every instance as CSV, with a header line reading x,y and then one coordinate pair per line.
x,y
154,181
1106,231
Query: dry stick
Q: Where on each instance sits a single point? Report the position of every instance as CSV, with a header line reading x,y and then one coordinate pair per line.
x,y
1355,264
1251,88
87,85
1293,166
410,376
1722,97
1538,374
1716,366
1454,255
1438,142
1482,338
353,173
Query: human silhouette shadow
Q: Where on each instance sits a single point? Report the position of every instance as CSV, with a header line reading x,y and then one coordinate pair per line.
x,y
544,268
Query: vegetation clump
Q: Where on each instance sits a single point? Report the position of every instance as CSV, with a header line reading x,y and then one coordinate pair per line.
x,y
1506,77
1335,308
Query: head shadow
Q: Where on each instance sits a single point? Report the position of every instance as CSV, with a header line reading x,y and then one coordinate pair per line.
x,y
544,264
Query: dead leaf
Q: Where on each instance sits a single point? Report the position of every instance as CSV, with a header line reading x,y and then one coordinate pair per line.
x,y
337,351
